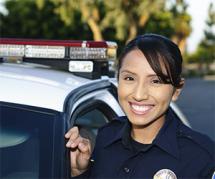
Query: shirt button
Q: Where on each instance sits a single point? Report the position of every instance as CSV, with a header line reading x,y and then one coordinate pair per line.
x,y
127,170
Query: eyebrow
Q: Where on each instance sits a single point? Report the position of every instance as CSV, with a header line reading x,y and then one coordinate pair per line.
x,y
127,71
149,75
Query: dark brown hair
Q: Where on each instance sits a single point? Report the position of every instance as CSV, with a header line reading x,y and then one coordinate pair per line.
x,y
159,51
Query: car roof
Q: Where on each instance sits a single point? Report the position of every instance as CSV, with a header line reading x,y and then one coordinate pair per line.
x,y
32,85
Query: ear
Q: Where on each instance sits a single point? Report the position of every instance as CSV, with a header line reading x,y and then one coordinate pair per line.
x,y
178,90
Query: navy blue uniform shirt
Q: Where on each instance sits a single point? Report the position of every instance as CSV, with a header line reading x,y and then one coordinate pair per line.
x,y
176,152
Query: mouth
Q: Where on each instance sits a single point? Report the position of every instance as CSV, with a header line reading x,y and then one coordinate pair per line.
x,y
141,109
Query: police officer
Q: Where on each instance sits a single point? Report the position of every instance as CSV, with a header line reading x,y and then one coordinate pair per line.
x,y
150,141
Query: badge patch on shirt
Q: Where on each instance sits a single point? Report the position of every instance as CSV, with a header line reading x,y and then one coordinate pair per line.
x,y
165,174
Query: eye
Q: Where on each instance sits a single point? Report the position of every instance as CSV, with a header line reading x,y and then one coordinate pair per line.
x,y
156,81
128,78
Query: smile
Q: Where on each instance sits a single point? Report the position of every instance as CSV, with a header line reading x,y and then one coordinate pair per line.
x,y
141,109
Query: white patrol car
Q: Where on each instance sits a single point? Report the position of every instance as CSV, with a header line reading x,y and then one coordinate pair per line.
x,y
38,104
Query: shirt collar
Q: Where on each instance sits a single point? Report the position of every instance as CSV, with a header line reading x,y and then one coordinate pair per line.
x,y
123,132
166,139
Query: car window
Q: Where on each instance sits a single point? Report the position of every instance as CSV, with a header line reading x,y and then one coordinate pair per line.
x,y
90,116
90,122
26,140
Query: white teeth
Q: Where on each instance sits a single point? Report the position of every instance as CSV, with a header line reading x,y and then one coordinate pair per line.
x,y
140,108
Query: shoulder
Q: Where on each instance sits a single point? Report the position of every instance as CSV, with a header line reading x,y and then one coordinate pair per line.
x,y
110,130
197,149
197,141
113,126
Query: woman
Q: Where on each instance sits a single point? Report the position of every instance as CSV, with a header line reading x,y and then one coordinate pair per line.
x,y
150,141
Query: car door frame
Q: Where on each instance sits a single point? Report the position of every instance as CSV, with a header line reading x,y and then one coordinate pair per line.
x,y
84,96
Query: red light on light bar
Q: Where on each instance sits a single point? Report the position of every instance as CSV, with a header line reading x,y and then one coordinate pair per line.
x,y
68,43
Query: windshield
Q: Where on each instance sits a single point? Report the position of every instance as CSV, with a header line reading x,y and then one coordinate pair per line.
x,y
26,140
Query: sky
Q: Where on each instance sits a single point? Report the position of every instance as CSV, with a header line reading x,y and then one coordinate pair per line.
x,y
198,11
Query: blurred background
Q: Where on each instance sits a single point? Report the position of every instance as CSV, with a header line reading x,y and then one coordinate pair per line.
x,y
189,23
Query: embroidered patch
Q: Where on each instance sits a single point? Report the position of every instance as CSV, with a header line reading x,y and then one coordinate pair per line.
x,y
165,174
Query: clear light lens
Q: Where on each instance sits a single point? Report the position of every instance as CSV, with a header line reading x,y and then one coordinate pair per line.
x,y
37,51
80,66
88,53
112,50
12,50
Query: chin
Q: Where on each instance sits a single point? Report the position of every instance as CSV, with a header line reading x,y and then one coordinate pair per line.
x,y
139,121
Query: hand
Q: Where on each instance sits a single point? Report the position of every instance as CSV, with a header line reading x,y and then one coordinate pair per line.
x,y
80,151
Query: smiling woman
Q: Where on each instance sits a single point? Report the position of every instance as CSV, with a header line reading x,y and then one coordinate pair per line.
x,y
150,141
146,97
152,79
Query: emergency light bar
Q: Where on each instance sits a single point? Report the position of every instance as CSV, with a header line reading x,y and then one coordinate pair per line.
x,y
57,49
74,56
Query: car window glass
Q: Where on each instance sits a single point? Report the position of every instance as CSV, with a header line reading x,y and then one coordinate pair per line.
x,y
25,143
89,123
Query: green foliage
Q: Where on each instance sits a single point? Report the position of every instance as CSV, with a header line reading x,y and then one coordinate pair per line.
x,y
181,18
117,20
27,20
205,52
204,55
161,23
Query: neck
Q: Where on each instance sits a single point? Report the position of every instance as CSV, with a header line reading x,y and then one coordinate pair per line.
x,y
146,134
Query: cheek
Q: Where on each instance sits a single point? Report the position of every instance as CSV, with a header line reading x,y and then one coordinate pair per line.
x,y
121,96
163,95
121,91
124,92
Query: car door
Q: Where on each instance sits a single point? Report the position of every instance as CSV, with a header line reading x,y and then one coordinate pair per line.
x,y
31,143
90,107
94,109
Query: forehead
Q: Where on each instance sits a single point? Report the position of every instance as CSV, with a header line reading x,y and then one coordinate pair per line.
x,y
135,60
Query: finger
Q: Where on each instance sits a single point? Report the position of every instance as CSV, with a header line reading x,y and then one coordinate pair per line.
x,y
71,142
84,146
76,142
73,137
71,131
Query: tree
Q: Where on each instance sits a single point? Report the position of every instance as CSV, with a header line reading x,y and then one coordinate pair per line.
x,y
124,19
205,52
117,20
181,20
26,20
124,16
89,10
206,48
127,16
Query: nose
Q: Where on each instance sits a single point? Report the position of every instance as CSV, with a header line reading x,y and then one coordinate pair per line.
x,y
140,92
